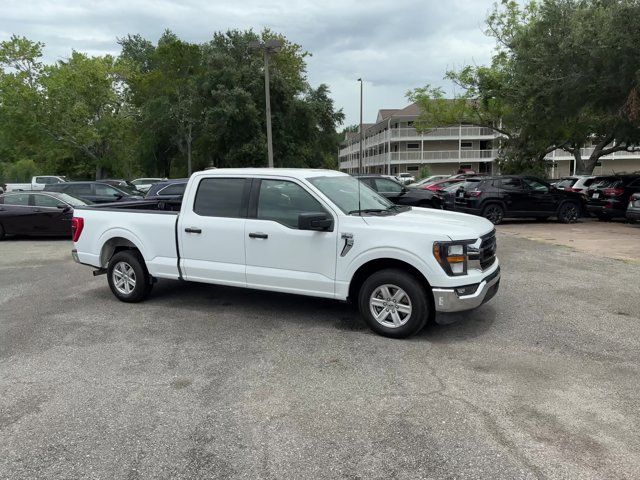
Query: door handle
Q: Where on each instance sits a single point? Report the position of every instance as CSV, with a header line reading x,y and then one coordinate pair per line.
x,y
37,210
258,235
193,230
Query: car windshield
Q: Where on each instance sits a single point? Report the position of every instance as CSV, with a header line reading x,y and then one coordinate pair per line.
x,y
128,190
345,190
566,182
73,201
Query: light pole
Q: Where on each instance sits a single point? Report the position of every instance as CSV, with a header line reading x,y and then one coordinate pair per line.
x,y
361,132
268,47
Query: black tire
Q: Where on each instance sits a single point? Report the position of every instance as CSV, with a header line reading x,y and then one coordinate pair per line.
x,y
568,212
408,288
1,232
494,212
141,277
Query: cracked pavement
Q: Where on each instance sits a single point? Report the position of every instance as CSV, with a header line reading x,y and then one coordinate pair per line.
x,y
211,382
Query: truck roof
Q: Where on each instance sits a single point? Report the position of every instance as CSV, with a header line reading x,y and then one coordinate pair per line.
x,y
299,173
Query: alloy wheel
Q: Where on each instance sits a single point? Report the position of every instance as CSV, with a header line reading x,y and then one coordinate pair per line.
x,y
124,278
390,306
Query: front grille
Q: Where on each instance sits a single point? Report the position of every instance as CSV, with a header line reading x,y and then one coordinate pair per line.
x,y
488,250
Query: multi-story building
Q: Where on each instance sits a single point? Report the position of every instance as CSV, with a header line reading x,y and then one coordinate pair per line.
x,y
392,145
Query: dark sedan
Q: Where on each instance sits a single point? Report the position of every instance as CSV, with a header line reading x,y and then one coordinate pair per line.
x,y
400,194
633,210
37,213
167,190
96,192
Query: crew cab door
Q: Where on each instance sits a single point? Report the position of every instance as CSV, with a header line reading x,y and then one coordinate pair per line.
x,y
211,231
280,256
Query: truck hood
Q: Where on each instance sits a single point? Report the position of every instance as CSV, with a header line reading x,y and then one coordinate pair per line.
x,y
455,225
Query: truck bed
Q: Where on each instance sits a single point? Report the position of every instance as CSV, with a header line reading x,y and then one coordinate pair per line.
x,y
150,226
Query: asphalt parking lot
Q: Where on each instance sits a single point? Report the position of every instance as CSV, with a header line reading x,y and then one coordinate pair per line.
x,y
209,382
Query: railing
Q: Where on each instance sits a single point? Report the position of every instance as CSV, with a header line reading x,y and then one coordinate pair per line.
x,y
586,153
423,157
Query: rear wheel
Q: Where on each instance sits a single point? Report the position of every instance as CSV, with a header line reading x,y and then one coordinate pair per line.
x,y
394,303
128,277
568,212
493,212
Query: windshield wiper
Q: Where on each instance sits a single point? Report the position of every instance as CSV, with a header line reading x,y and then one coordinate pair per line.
x,y
368,210
398,208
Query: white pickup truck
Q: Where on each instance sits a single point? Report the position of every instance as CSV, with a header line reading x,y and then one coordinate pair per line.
x,y
37,183
310,232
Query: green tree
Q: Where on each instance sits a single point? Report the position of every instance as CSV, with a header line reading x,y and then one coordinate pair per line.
x,y
565,74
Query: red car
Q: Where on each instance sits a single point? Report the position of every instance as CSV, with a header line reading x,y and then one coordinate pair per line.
x,y
442,184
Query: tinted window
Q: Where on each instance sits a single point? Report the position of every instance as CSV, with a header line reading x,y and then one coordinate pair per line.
x,y
509,183
220,197
282,202
106,190
385,185
536,185
45,201
17,199
177,189
79,189
566,182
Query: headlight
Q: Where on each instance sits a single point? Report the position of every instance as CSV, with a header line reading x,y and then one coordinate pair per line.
x,y
452,257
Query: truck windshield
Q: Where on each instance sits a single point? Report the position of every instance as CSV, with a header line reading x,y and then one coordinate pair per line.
x,y
344,192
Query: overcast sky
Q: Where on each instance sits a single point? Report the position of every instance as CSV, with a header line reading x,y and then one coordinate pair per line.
x,y
394,45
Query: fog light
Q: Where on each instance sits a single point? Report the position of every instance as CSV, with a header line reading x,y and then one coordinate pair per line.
x,y
467,289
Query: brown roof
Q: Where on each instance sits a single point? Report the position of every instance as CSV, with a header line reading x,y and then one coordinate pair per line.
x,y
385,113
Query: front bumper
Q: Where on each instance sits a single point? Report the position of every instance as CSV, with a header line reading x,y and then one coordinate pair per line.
x,y
450,300
602,211
633,213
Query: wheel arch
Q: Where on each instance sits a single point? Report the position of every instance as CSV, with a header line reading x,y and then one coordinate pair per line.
x,y
377,264
113,246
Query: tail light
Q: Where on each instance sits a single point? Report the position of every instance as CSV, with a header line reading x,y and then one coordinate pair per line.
x,y
474,193
77,224
433,188
613,192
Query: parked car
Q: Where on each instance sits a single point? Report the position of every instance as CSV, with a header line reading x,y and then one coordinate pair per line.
x,y
144,184
447,194
37,183
633,210
439,185
608,197
96,192
497,198
118,183
428,180
310,232
575,183
406,178
37,213
401,194
167,190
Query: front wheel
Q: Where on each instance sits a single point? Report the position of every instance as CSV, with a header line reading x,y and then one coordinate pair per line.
x,y
493,212
128,277
394,303
568,213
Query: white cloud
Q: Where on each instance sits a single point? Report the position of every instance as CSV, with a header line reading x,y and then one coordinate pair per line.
x,y
394,45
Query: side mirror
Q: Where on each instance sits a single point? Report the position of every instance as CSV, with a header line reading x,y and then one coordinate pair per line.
x,y
404,189
318,221
117,195
65,208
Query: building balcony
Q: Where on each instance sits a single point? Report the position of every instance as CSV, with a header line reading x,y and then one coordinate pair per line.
x,y
411,134
424,157
586,153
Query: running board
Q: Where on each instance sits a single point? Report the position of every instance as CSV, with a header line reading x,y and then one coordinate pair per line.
x,y
100,271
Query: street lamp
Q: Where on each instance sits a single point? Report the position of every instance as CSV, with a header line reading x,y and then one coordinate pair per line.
x,y
268,47
361,132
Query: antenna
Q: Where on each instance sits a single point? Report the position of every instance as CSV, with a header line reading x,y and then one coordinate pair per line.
x,y
360,157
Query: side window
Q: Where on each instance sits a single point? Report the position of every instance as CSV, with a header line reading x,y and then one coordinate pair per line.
x,y
44,180
177,189
385,185
46,201
79,189
282,201
106,190
536,185
220,197
21,199
510,183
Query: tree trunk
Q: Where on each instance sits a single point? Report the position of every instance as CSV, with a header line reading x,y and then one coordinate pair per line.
x,y
189,150
585,167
